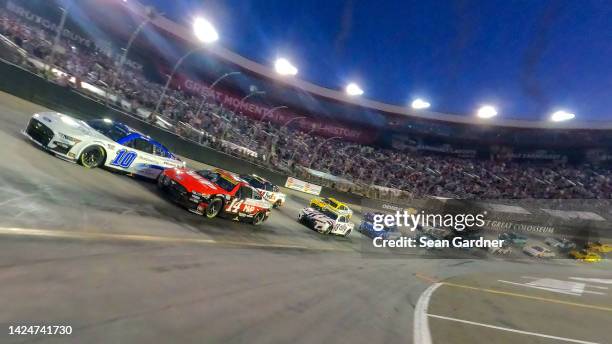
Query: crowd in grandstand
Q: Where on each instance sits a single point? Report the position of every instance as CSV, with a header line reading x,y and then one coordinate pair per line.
x,y
210,123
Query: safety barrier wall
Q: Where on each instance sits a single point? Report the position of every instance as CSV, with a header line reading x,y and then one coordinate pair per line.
x,y
32,87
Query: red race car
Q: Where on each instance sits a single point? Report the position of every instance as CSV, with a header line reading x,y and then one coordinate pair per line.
x,y
211,193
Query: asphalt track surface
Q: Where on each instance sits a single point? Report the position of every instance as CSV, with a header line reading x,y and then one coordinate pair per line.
x,y
106,254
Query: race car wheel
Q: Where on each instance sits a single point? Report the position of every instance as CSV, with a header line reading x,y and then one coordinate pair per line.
x,y
258,218
162,181
92,157
276,204
347,233
214,208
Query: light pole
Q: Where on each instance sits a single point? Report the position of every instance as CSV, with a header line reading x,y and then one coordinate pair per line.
x,y
305,145
212,86
291,120
264,116
280,130
171,75
206,33
58,35
347,160
251,94
314,154
295,151
269,112
126,50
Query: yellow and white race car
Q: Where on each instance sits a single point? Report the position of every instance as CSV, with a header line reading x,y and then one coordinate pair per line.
x,y
585,256
599,247
332,204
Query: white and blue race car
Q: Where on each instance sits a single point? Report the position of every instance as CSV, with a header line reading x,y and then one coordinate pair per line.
x,y
100,142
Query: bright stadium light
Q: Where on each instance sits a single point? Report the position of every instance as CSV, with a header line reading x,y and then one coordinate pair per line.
x,y
487,111
353,89
420,104
284,67
561,116
205,31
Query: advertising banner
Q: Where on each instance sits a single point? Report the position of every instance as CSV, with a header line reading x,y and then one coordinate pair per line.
x,y
303,186
258,111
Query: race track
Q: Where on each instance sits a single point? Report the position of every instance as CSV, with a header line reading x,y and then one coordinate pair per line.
x,y
108,255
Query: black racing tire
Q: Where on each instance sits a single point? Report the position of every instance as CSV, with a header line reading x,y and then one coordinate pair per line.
x,y
276,204
92,157
160,181
347,233
214,208
259,218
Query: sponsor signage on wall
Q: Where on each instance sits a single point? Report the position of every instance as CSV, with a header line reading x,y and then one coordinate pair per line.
x,y
317,126
302,186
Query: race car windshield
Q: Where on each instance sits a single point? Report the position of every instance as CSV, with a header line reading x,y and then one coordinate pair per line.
x,y
256,183
330,214
332,203
108,129
218,179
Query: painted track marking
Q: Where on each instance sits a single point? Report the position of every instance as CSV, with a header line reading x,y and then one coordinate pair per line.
x,y
575,290
509,330
422,335
544,299
148,238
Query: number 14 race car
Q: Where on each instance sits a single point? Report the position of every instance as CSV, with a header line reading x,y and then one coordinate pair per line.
x,y
100,142
212,193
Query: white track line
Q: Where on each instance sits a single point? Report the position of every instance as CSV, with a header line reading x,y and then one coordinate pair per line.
x,y
422,335
510,330
560,291
592,280
136,237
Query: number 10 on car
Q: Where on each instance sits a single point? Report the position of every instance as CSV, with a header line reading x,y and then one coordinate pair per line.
x,y
124,158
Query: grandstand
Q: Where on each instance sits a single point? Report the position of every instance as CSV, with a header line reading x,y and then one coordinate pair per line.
x,y
288,124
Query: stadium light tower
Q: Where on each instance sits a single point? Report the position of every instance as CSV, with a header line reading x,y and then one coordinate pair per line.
x,y
486,111
561,116
284,67
419,103
353,89
205,33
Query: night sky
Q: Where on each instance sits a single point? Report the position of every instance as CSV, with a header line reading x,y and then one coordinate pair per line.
x,y
526,57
